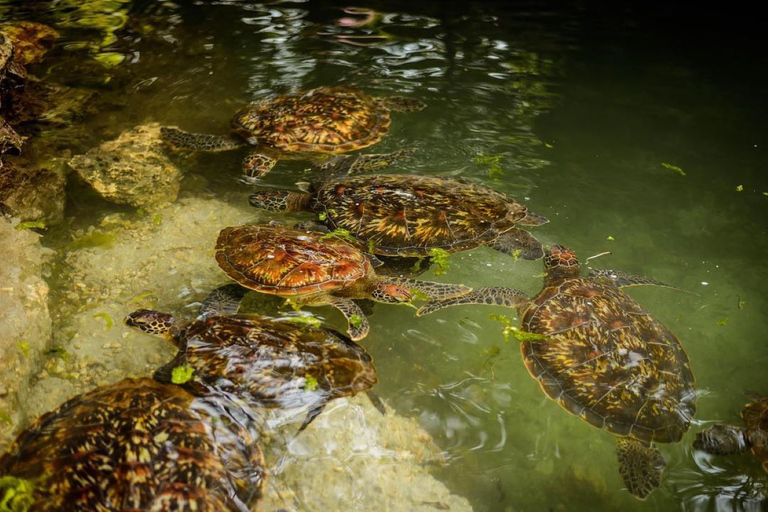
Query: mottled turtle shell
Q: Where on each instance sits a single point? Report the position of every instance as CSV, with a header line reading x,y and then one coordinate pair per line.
x,y
410,215
288,262
275,362
607,361
136,445
755,416
324,120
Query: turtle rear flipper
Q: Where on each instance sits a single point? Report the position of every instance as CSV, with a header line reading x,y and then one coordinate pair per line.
x,y
621,279
179,139
402,103
533,219
357,322
224,300
641,466
492,296
519,243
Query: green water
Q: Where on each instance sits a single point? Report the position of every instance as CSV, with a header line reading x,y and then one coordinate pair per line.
x,y
572,110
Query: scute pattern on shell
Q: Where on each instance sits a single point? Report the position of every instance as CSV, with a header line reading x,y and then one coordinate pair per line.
x,y
323,120
288,262
269,360
608,361
410,215
135,445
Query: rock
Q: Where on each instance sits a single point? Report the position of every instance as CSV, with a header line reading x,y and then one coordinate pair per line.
x,y
10,141
354,458
32,194
131,169
30,40
25,323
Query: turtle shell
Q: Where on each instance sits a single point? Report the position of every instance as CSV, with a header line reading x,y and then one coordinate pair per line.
x,y
402,215
275,362
329,120
288,262
606,360
136,445
755,416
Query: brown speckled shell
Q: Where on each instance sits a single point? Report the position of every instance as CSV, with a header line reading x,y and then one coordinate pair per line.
x,y
267,361
608,361
135,445
288,262
324,120
755,416
404,215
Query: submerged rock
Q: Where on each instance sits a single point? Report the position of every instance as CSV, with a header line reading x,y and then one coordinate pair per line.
x,y
31,40
131,169
33,194
24,321
10,141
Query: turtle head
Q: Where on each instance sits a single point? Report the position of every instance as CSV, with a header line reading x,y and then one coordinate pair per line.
x,y
245,123
280,201
390,293
722,440
151,322
560,261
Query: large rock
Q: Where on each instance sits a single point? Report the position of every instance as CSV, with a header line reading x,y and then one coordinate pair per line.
x,y
32,194
25,325
132,169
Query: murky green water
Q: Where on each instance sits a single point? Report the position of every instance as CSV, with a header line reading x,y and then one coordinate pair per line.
x,y
571,110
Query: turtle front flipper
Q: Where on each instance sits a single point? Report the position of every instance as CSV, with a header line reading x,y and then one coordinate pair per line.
x,y
533,219
256,165
179,139
492,296
311,415
620,278
402,103
224,300
357,323
435,291
641,466
519,243
722,440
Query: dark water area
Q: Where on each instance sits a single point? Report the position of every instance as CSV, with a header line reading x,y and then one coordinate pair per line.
x,y
638,129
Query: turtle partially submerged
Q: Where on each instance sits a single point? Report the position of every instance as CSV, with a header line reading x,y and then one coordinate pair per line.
x,y
305,124
600,356
410,215
140,444
729,439
264,361
314,269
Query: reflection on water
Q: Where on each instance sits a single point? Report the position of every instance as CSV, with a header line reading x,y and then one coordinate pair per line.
x,y
571,111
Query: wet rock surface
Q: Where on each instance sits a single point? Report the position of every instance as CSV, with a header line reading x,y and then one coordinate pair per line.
x,y
24,321
132,169
32,194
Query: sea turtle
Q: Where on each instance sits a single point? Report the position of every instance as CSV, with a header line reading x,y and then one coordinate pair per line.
x,y
264,361
314,269
728,439
305,124
410,215
596,352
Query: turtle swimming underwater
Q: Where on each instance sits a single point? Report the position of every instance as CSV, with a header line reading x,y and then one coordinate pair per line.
x,y
314,269
410,215
729,439
266,362
304,124
600,356
140,444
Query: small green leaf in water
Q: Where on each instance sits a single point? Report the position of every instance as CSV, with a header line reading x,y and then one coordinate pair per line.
x,y
304,319
739,188
516,254
107,319
15,494
722,321
5,418
182,374
673,168
109,59
355,320
342,234
33,224
610,238
417,265
494,169
24,347
440,258
310,383
322,216
371,246
510,331
157,219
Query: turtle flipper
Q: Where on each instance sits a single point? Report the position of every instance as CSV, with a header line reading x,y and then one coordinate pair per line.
x,y
519,243
641,466
493,296
620,278
256,165
435,291
722,440
363,164
357,323
280,200
224,300
311,415
178,139
402,103
532,219
376,401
